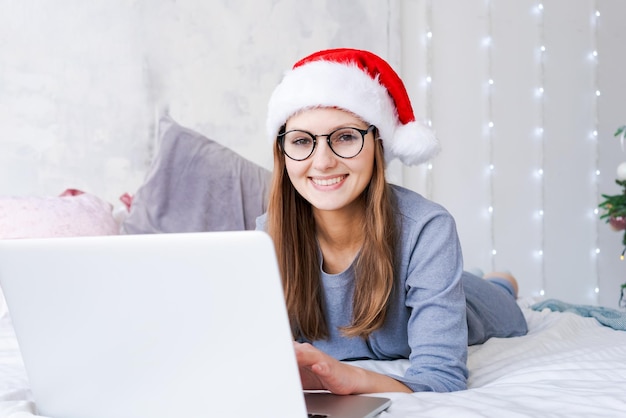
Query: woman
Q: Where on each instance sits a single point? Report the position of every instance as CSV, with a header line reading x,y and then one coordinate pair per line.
x,y
370,270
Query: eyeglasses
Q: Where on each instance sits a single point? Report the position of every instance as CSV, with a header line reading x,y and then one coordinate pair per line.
x,y
344,142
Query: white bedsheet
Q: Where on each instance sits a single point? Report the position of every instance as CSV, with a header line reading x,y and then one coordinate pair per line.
x,y
567,366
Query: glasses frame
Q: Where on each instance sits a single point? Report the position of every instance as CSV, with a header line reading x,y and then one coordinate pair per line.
x,y
363,132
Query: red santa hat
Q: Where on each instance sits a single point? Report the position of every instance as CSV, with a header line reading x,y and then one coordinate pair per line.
x,y
363,84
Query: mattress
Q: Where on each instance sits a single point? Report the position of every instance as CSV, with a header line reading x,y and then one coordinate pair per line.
x,y
567,365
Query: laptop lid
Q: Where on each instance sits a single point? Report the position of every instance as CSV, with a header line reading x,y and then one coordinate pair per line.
x,y
163,325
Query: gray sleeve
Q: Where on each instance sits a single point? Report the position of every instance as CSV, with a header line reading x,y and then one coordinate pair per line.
x,y
432,265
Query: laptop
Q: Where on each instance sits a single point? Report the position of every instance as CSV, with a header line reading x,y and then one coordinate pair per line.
x,y
167,325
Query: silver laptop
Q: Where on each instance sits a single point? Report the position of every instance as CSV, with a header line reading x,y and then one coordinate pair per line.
x,y
170,325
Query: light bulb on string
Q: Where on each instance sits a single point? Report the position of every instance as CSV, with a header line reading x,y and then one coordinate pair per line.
x,y
594,63
539,94
489,133
428,88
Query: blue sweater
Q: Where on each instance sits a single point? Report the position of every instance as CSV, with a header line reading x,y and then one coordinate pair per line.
x,y
428,318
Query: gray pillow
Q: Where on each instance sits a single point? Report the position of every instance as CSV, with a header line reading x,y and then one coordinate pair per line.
x,y
195,184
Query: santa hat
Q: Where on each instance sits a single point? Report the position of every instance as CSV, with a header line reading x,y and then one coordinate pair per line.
x,y
363,84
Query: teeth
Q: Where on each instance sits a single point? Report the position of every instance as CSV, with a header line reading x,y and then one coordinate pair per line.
x,y
328,182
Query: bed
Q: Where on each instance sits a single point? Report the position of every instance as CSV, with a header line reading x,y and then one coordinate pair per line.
x,y
570,364
567,365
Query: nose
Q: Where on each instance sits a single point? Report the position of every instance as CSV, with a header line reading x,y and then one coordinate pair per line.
x,y
323,157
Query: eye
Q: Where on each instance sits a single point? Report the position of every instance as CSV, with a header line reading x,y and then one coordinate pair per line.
x,y
298,139
301,141
346,136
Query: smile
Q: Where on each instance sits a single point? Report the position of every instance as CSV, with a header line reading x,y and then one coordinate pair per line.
x,y
328,182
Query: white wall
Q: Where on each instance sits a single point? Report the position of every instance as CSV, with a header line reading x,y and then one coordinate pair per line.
x,y
555,254
81,84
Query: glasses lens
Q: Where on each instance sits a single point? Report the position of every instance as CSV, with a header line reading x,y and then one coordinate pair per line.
x,y
346,142
298,145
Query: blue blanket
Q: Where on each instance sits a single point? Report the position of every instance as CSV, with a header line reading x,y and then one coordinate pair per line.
x,y
606,316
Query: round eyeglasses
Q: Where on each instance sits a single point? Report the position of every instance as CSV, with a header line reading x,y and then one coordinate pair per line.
x,y
344,142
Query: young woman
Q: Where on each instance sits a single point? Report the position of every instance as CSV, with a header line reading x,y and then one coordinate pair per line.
x,y
370,270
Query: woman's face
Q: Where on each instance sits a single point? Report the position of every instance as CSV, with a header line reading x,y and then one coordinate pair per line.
x,y
327,181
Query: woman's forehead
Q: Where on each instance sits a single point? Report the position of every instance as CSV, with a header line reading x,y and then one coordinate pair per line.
x,y
330,116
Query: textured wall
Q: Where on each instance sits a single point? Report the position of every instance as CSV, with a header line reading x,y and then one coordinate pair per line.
x,y
81,84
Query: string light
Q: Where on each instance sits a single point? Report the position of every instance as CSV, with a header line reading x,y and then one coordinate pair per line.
x,y
594,134
429,97
488,43
541,91
540,137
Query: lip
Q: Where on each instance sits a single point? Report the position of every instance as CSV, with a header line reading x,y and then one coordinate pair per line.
x,y
329,181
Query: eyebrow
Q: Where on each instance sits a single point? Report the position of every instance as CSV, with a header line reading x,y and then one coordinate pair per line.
x,y
343,125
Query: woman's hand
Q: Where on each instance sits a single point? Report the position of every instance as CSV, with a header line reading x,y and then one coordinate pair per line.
x,y
319,371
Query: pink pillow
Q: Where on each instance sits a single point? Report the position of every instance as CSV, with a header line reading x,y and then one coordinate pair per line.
x,y
72,214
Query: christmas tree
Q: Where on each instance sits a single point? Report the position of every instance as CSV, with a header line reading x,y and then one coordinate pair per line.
x,y
614,207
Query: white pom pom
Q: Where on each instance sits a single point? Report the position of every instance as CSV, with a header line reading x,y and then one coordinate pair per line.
x,y
412,143
621,171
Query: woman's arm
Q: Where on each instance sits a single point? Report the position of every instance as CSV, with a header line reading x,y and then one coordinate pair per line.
x,y
437,325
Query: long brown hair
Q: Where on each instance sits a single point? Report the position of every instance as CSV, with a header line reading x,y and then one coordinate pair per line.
x,y
291,225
